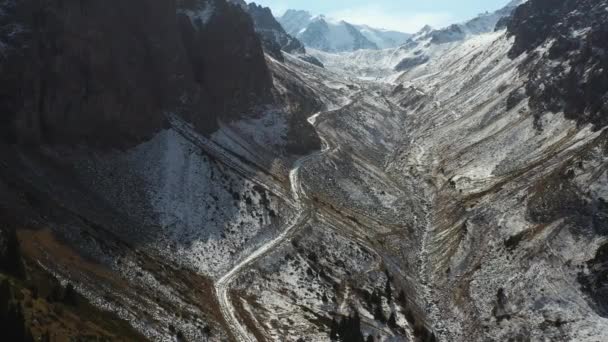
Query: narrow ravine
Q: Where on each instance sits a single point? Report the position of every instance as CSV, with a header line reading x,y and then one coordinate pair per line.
x,y
304,210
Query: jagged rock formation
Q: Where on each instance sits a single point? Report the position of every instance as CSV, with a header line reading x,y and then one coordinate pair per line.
x,y
572,76
269,28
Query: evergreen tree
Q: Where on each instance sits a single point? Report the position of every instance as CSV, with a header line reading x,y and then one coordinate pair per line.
x,y
388,290
333,330
56,294
10,261
401,299
354,334
392,321
376,299
46,337
379,314
70,297
15,324
5,298
349,329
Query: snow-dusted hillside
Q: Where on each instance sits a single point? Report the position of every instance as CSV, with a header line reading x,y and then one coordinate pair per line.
x,y
452,188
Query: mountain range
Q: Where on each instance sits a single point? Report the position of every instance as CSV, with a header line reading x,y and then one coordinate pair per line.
x,y
192,170
322,33
420,48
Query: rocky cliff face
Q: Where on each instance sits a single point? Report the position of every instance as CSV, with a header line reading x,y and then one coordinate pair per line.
x,y
272,32
569,73
88,144
106,74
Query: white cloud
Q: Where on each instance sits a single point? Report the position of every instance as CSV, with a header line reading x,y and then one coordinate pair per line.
x,y
379,17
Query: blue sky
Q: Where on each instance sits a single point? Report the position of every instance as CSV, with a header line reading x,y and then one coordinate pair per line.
x,y
402,15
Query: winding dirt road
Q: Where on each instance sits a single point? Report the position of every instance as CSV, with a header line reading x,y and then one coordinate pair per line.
x,y
304,214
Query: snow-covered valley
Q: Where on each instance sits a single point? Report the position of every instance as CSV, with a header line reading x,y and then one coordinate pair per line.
x,y
452,188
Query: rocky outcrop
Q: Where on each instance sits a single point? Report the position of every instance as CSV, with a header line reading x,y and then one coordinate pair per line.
x,y
452,33
272,33
227,61
312,60
105,74
569,73
410,62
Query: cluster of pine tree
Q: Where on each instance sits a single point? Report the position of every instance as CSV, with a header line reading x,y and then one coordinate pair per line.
x,y
10,253
347,330
12,322
13,326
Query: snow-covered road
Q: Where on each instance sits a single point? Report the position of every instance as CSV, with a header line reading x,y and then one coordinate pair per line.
x,y
222,286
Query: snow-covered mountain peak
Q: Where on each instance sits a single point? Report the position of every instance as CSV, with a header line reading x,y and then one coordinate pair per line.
x,y
420,48
336,35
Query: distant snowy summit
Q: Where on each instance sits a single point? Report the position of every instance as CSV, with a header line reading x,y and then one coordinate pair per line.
x,y
418,49
325,34
483,23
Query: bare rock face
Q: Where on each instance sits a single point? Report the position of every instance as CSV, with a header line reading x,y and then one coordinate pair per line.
x,y
410,62
105,74
272,33
570,76
449,34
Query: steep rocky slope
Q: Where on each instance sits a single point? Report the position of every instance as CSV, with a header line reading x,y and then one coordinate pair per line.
x,y
462,198
455,186
516,172
273,33
82,72
274,38
113,164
